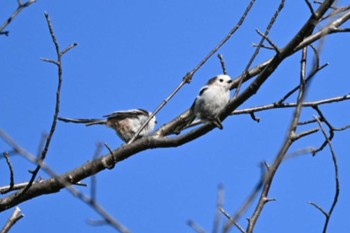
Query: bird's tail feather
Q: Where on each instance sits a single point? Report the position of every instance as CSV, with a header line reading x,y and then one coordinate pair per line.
x,y
87,122
186,119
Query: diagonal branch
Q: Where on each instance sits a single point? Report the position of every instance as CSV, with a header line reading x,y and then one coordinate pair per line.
x,y
16,215
20,7
284,149
107,161
257,50
189,75
67,182
265,69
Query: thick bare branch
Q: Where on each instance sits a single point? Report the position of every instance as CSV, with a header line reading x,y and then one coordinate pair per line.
x,y
189,75
107,161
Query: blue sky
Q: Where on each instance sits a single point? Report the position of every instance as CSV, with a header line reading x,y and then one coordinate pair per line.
x,y
132,55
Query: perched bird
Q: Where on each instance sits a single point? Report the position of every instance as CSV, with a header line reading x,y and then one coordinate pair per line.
x,y
211,100
125,123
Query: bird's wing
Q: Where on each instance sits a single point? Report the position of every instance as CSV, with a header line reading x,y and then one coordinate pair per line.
x,y
203,89
132,113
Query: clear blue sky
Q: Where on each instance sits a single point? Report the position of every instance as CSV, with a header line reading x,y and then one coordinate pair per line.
x,y
132,54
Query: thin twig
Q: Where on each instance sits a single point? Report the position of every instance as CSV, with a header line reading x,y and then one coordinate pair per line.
x,y
6,189
93,187
308,3
227,215
16,215
336,174
249,200
283,151
299,152
291,105
284,98
320,2
257,50
57,104
272,44
20,7
222,62
12,174
75,192
331,131
197,228
324,212
219,205
95,222
107,218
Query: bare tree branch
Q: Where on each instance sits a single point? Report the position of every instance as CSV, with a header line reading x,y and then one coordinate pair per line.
x,y
16,215
283,151
18,186
57,105
227,215
20,7
291,105
66,183
257,50
249,200
189,75
222,62
265,69
12,174
308,3
337,182
260,73
197,228
219,206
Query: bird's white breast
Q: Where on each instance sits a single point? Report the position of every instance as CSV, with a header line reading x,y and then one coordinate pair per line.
x,y
211,102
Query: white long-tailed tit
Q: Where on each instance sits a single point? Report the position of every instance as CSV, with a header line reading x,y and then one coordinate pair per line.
x,y
211,100
125,122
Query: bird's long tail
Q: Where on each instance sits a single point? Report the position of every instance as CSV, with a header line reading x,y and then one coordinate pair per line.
x,y
186,119
87,122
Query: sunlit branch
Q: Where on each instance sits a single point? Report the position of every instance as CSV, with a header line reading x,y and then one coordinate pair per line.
x,y
16,215
189,75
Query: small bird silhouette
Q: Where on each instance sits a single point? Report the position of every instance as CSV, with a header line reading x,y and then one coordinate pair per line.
x,y
211,100
125,122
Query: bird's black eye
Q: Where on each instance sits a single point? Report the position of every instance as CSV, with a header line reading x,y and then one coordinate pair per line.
x,y
221,80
